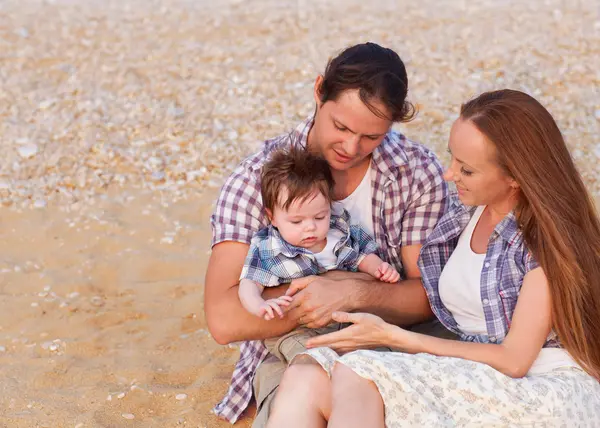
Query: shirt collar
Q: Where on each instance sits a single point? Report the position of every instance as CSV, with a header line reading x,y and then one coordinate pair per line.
x,y
276,245
507,229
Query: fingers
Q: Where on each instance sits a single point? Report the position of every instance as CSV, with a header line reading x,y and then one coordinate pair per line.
x,y
346,317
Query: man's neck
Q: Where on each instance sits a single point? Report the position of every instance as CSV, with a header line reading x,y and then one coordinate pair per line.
x,y
347,181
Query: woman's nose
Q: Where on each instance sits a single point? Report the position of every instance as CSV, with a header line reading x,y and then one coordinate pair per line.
x,y
450,175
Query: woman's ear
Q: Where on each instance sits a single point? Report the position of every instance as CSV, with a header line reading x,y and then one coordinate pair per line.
x,y
513,184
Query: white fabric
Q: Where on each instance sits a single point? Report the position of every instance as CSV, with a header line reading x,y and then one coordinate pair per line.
x,y
326,257
359,204
424,390
460,282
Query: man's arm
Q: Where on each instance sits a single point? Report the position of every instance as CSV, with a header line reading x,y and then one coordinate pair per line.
x,y
316,298
227,319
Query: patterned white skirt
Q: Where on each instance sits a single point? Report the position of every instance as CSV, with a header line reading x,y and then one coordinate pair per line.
x,y
423,390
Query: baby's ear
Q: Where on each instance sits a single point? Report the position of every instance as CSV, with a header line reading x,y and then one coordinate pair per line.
x,y
269,215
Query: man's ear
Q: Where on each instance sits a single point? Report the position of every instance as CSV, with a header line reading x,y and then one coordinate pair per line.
x,y
317,90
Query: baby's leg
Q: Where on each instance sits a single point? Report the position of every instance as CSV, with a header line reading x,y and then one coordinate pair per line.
x,y
293,343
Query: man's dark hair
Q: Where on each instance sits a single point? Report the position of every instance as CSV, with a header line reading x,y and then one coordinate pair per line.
x,y
297,170
378,73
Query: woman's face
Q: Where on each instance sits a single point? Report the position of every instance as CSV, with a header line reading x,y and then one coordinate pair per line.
x,y
345,131
474,169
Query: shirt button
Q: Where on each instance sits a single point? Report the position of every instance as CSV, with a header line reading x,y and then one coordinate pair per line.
x,y
493,338
486,301
487,264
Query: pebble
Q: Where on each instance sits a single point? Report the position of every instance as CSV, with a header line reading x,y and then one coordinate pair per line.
x,y
121,395
27,150
181,397
128,415
40,203
97,301
2,348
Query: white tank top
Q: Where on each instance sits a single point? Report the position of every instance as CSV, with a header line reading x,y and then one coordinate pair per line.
x,y
460,292
359,204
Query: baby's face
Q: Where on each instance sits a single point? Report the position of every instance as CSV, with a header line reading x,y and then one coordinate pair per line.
x,y
305,223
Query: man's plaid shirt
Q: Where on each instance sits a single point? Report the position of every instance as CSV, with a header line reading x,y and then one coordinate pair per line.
x,y
408,199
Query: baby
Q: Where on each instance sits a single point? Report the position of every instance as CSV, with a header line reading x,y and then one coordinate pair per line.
x,y
304,238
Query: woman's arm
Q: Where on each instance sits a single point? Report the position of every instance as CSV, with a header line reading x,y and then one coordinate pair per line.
x,y
531,324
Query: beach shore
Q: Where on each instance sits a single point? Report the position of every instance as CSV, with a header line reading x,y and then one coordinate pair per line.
x,y
120,120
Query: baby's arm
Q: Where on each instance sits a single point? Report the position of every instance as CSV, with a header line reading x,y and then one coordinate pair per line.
x,y
250,294
376,267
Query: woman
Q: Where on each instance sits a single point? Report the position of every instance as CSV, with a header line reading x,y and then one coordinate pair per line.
x,y
513,269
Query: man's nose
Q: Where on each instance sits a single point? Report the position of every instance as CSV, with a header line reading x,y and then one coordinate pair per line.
x,y
351,145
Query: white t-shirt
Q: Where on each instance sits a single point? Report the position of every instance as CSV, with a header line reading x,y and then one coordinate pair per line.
x,y
460,292
326,257
359,204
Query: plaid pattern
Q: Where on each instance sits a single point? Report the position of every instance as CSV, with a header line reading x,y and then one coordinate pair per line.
x,y
409,194
506,263
272,261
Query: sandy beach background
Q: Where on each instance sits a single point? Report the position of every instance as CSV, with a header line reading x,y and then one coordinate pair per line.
x,y
118,122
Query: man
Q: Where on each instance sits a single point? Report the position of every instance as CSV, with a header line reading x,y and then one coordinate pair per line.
x,y
390,185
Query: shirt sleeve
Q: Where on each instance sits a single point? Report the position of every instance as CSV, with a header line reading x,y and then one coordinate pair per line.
x,y
363,243
427,203
255,268
238,213
530,261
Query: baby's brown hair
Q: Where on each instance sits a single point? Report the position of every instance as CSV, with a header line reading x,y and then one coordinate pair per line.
x,y
297,170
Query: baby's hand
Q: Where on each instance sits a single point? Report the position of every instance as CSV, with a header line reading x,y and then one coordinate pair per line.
x,y
386,273
269,307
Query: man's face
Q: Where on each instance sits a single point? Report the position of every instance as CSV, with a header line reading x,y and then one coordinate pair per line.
x,y
345,131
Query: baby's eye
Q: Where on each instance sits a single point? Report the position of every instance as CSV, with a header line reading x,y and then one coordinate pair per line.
x,y
320,218
296,222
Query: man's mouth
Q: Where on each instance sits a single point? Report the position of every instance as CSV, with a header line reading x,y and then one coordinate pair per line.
x,y
342,158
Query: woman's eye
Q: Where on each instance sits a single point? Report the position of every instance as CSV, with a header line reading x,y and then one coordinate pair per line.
x,y
465,172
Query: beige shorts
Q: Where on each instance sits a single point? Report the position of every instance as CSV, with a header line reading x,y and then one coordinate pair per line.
x,y
283,349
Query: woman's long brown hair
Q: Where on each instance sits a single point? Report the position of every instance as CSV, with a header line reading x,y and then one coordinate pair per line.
x,y
555,213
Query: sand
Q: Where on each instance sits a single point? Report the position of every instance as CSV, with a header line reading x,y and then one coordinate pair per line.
x,y
119,121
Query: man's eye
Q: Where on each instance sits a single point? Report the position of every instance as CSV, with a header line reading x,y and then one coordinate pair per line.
x,y
340,128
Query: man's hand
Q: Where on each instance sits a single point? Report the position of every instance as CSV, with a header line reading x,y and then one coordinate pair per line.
x,y
316,298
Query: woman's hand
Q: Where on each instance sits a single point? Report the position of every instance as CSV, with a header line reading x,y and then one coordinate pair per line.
x,y
367,332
